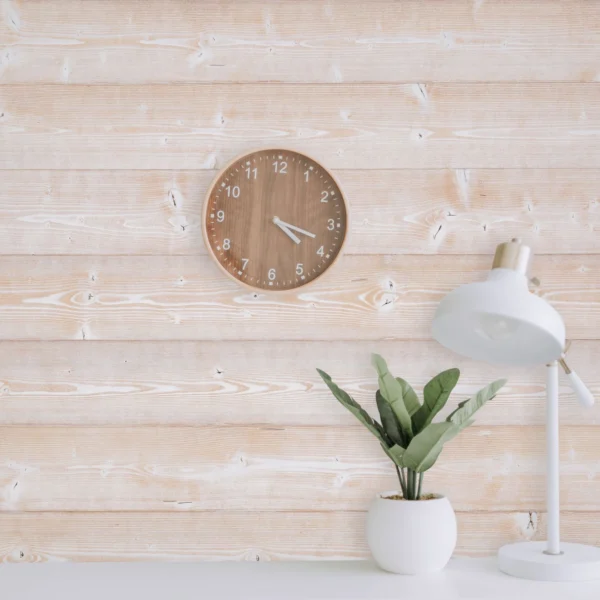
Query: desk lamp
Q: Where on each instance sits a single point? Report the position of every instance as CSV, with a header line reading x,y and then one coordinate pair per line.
x,y
501,322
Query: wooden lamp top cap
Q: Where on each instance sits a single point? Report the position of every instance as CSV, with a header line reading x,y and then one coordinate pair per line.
x,y
512,255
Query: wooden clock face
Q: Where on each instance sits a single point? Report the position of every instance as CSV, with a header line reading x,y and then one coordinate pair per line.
x,y
275,219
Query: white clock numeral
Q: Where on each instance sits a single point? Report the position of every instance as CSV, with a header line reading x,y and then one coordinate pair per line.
x,y
245,262
220,216
227,244
306,176
280,167
233,191
299,269
320,251
330,224
272,274
251,173
324,196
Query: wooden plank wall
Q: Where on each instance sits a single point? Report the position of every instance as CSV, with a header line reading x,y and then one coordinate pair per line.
x,y
151,409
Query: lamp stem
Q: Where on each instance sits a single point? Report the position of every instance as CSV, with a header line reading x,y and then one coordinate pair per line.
x,y
553,464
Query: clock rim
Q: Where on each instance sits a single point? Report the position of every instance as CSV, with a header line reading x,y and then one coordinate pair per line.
x,y
205,210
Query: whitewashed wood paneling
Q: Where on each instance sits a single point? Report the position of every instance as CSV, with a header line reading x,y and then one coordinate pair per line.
x,y
363,298
450,211
142,41
277,468
253,383
439,125
34,537
178,416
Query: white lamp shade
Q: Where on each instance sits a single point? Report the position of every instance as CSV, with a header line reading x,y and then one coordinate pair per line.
x,y
500,321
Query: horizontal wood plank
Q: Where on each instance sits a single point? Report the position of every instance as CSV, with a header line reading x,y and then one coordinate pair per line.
x,y
278,468
84,537
351,126
392,212
142,41
362,298
481,534
261,383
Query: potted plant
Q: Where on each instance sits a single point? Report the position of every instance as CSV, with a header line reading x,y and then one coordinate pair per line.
x,y
410,532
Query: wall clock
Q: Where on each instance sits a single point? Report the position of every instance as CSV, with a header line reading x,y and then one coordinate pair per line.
x,y
275,219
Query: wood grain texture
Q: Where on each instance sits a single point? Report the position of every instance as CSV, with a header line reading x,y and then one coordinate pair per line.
x,y
277,468
224,535
400,126
143,41
253,383
363,298
178,416
392,212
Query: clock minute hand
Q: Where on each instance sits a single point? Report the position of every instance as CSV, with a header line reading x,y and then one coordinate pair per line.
x,y
294,228
285,230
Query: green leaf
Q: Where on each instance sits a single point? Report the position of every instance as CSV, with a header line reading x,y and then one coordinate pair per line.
x,y
395,453
435,395
425,447
465,410
388,420
411,400
355,408
392,391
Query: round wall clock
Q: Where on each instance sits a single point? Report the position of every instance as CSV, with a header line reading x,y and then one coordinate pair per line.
x,y
275,219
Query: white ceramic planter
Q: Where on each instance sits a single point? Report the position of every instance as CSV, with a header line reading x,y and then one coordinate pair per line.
x,y
411,536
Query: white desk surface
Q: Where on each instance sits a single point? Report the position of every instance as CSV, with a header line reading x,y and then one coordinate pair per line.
x,y
463,578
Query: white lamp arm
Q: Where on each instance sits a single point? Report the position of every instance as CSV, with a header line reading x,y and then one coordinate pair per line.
x,y
582,392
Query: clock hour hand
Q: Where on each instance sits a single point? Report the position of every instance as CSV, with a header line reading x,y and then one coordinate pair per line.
x,y
285,230
294,228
